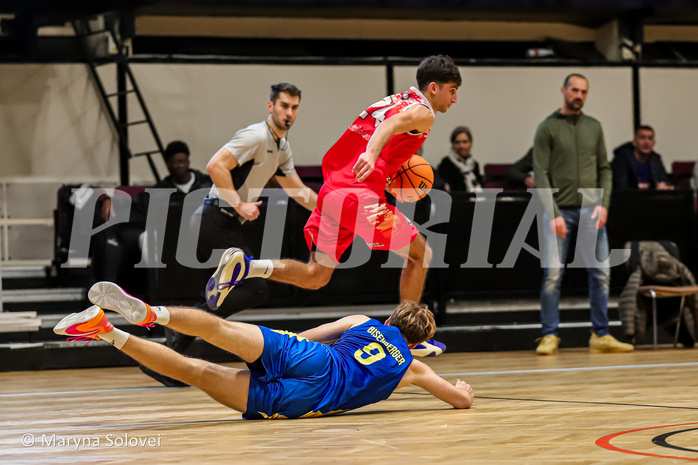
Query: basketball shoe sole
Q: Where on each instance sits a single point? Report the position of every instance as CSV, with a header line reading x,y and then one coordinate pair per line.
x,y
232,270
430,348
111,297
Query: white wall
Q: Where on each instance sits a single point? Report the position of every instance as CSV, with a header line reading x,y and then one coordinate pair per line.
x,y
52,124
503,107
204,105
669,103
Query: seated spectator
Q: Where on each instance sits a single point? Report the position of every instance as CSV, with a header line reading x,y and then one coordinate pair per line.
x,y
181,177
521,172
637,166
459,170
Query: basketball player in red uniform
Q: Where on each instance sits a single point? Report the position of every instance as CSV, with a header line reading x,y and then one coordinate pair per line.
x,y
352,201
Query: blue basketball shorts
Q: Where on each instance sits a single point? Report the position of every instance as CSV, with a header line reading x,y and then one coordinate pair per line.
x,y
291,377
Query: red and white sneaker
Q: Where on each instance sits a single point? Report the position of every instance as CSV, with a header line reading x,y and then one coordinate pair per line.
x,y
111,297
84,326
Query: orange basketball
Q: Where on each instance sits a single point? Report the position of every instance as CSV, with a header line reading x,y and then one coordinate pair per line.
x,y
413,180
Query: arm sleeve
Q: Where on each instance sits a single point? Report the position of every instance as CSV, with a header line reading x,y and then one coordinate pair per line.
x,y
619,167
542,148
661,171
445,171
246,145
604,170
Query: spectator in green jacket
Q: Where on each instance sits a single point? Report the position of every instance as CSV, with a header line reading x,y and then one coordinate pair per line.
x,y
569,154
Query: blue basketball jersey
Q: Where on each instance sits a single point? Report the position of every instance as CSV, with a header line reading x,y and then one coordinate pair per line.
x,y
370,360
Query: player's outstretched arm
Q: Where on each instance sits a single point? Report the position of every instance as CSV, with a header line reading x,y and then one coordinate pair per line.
x,y
294,187
418,118
330,332
420,374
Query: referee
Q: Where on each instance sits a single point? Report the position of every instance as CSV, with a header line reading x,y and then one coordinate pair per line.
x,y
240,170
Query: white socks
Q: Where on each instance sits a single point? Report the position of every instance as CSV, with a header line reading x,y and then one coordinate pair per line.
x,y
118,338
260,269
162,314
115,337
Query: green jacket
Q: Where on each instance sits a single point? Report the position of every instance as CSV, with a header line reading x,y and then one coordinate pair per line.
x,y
569,153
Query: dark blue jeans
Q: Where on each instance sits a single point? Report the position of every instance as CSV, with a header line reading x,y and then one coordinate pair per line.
x,y
592,251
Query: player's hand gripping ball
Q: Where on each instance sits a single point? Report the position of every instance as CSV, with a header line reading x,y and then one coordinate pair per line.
x,y
413,180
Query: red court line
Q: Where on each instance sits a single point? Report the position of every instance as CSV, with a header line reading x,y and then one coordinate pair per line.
x,y
605,442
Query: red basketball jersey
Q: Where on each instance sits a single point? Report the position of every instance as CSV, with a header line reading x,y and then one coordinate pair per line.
x,y
338,162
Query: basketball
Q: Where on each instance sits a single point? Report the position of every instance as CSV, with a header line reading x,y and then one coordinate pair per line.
x,y
413,180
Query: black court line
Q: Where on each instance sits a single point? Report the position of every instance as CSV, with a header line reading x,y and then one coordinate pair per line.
x,y
661,440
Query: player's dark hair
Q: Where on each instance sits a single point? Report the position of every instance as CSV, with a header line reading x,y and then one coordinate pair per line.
x,y
290,89
174,147
415,321
437,68
461,130
644,127
570,76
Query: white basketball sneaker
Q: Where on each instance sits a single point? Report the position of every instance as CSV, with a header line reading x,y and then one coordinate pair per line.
x,y
111,297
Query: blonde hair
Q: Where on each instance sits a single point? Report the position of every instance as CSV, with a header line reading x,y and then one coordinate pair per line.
x,y
415,321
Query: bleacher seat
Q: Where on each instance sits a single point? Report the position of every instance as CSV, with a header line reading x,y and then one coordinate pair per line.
x,y
681,173
496,176
311,175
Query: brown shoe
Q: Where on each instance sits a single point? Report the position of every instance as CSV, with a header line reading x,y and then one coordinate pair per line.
x,y
608,345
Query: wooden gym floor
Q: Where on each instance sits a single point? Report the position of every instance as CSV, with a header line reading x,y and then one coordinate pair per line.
x,y
638,408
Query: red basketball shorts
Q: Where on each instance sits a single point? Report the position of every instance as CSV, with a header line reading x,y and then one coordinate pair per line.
x,y
344,213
